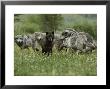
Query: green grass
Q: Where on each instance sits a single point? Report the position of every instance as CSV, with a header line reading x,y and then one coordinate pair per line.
x,y
29,63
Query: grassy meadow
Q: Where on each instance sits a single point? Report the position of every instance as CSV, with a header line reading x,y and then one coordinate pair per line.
x,y
64,63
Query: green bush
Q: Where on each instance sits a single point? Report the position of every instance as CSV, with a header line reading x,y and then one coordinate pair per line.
x,y
26,24
30,23
87,26
82,22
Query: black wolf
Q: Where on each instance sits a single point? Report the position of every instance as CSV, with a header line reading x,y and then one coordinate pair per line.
x,y
48,44
46,41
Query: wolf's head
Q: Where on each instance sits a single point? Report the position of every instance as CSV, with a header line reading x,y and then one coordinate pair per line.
x,y
19,40
49,36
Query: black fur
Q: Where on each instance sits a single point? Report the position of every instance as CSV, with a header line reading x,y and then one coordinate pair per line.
x,y
48,45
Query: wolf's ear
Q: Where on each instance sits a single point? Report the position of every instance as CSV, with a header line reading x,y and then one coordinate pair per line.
x,y
52,32
15,38
46,32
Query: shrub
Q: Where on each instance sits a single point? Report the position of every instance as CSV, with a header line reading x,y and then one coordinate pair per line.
x,y
26,24
30,23
87,26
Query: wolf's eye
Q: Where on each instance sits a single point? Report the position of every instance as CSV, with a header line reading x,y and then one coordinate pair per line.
x,y
15,38
64,33
20,38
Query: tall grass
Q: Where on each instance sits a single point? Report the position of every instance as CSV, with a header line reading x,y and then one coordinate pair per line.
x,y
29,63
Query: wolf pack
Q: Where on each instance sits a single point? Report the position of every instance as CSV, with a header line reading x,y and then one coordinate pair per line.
x,y
69,39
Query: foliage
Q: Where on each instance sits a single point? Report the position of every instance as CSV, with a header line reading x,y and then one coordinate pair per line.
x,y
26,24
87,26
84,22
50,22
30,23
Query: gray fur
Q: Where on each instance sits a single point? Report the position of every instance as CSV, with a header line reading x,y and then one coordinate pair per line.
x,y
26,41
57,42
79,41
